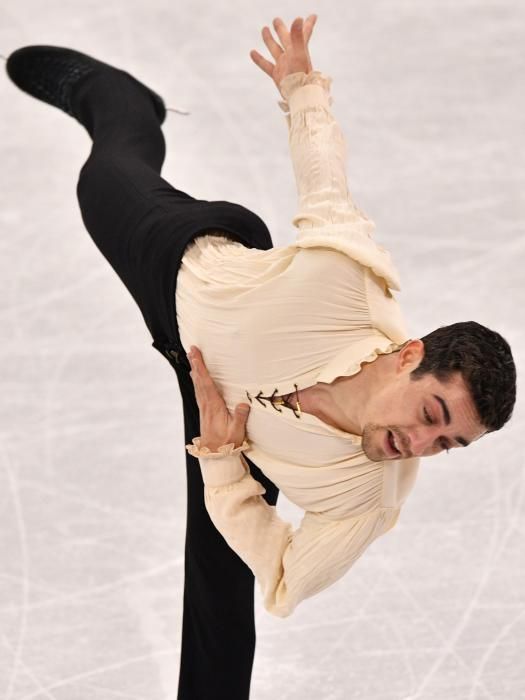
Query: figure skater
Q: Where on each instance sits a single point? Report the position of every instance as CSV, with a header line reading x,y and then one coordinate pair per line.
x,y
295,368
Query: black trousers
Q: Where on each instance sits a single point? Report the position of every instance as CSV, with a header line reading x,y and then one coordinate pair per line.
x,y
142,224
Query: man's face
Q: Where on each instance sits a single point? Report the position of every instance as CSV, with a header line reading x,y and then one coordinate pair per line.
x,y
418,418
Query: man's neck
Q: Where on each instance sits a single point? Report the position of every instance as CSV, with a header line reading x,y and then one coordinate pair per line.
x,y
342,403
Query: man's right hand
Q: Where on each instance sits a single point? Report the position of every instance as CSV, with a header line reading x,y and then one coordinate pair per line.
x,y
292,56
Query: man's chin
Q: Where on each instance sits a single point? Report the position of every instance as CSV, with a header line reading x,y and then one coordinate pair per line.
x,y
375,456
372,452
371,444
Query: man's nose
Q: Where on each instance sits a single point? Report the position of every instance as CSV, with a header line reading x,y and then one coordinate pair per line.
x,y
421,440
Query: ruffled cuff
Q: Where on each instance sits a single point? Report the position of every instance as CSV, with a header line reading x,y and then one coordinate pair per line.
x,y
220,468
224,451
316,91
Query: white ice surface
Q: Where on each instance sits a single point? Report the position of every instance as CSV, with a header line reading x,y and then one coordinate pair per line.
x,y
92,486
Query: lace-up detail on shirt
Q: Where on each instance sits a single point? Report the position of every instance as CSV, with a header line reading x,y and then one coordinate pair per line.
x,y
276,400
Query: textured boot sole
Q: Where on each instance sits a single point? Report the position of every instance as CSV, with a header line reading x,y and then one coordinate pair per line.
x,y
50,73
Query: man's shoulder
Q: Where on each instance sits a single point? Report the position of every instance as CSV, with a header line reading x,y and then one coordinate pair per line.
x,y
355,245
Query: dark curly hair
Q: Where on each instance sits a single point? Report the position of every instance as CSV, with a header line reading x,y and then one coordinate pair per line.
x,y
485,361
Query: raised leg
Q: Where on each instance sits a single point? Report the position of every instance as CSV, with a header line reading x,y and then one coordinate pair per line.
x,y
120,191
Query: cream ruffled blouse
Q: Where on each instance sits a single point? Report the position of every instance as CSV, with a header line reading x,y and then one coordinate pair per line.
x,y
268,321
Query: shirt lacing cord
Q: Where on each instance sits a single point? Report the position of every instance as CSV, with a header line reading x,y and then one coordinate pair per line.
x,y
279,401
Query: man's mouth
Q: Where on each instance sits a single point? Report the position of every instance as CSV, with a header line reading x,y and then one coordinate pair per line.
x,y
393,444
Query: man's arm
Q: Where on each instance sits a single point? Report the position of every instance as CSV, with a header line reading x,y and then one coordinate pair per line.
x,y
319,155
289,565
317,144
327,216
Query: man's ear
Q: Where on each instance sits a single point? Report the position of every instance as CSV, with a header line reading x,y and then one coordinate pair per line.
x,y
410,356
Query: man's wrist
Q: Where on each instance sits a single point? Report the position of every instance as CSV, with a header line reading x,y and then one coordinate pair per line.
x,y
212,446
213,451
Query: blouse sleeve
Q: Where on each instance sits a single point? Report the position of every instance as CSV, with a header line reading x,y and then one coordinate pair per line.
x,y
289,565
318,151
327,214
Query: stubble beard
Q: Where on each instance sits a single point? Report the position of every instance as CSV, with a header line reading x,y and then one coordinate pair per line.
x,y
370,442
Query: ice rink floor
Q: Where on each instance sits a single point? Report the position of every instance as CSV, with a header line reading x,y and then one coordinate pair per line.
x,y
430,96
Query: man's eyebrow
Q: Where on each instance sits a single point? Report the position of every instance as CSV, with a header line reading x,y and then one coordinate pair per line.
x,y
446,414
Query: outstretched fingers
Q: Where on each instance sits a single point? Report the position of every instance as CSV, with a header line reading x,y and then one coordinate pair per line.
x,y
300,29
296,34
308,27
263,64
270,42
282,32
298,37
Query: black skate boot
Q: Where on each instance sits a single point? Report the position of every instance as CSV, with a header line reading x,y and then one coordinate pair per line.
x,y
52,73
